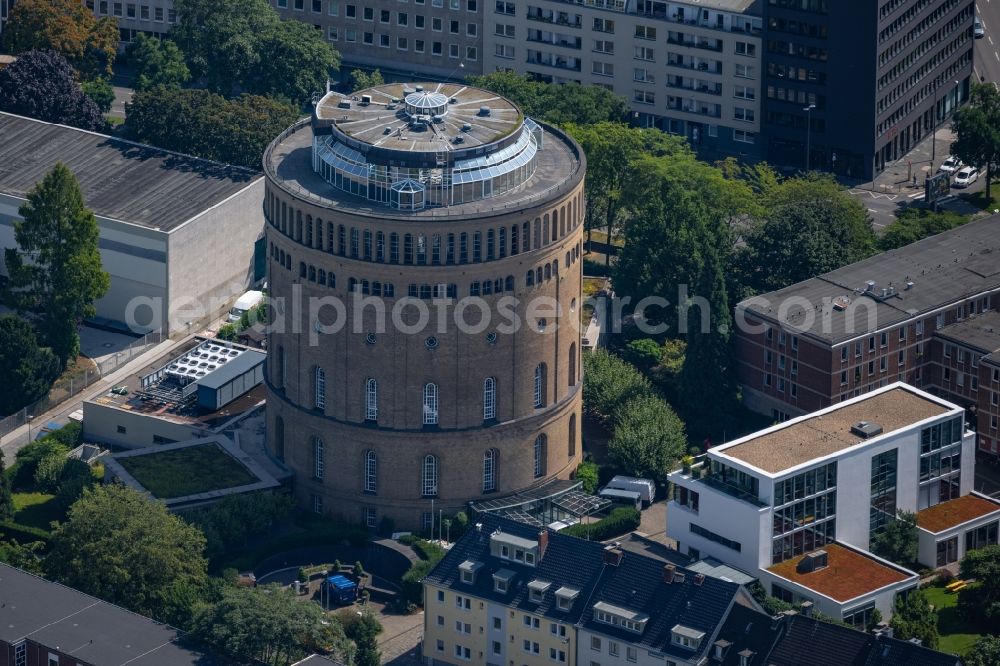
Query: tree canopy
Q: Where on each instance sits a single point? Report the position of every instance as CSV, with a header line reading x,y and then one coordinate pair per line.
x,y
42,85
267,623
915,223
977,130
986,652
28,370
648,438
981,601
56,267
608,382
101,92
897,540
913,617
809,226
244,46
6,499
119,546
554,102
360,79
201,123
68,27
157,62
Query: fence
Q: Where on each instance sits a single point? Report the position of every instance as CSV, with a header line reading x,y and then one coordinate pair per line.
x,y
67,387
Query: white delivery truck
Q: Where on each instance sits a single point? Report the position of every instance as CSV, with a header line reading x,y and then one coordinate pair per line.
x,y
645,487
244,303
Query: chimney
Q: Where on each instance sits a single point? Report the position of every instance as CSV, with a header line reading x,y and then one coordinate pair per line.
x,y
543,543
806,608
668,573
699,578
612,556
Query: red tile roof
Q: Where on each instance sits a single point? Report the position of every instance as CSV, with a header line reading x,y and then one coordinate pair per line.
x,y
848,574
954,512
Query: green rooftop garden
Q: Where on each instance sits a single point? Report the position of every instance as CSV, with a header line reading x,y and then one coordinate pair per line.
x,y
187,471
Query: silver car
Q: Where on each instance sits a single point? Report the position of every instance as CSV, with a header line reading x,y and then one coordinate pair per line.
x,y
977,28
967,176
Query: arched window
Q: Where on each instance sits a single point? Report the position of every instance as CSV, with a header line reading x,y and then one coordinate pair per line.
x,y
280,371
538,275
318,458
548,272
430,404
380,247
436,249
572,364
526,236
541,444
529,279
429,477
321,276
329,237
539,389
371,471
302,269
371,400
312,273
393,248
355,243
319,388
509,283
367,247
490,470
489,398
408,249
572,435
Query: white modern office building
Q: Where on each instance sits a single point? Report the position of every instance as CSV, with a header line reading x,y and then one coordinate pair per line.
x,y
798,504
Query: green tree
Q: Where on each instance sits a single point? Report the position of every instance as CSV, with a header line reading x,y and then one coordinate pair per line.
x,y
23,556
229,523
266,623
243,45
226,332
913,617
89,43
360,79
29,457
608,381
75,477
56,266
644,353
648,438
977,129
554,102
6,499
28,370
123,548
42,85
981,601
364,633
986,652
897,541
201,123
157,62
810,226
612,149
49,472
914,223
588,473
101,92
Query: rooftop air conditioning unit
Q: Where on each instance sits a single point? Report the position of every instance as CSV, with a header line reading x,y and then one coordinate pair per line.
x,y
866,429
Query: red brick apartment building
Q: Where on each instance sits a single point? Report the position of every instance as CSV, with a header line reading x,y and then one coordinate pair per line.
x,y
925,314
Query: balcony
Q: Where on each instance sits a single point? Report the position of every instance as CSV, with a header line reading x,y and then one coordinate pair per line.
x,y
555,18
696,65
546,59
700,43
699,472
694,106
554,39
694,85
718,21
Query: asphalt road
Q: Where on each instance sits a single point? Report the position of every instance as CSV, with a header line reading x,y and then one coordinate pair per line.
x,y
986,61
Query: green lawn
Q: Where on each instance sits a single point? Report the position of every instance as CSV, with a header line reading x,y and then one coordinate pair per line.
x,y
37,510
979,199
187,471
951,626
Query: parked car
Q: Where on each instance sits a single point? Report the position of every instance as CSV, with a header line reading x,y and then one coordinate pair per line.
x,y
951,165
967,176
977,28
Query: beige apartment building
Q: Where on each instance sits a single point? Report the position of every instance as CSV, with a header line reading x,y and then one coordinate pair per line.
x,y
689,68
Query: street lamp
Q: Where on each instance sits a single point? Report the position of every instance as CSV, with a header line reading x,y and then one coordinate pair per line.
x,y
808,111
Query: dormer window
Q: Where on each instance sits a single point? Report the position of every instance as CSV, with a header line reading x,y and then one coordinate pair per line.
x,y
686,637
502,580
536,590
468,570
514,548
620,617
721,647
565,596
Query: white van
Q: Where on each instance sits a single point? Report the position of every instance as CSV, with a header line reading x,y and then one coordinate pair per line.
x,y
247,301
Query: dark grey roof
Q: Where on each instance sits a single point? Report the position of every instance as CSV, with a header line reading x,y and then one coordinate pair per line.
x,y
86,628
797,640
944,269
567,562
121,180
636,584
981,332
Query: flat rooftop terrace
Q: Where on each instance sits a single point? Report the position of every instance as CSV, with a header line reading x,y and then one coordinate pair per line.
x,y
848,575
981,332
121,180
815,436
953,513
560,166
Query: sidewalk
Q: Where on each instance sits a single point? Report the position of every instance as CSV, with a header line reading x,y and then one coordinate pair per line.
x,y
898,176
17,438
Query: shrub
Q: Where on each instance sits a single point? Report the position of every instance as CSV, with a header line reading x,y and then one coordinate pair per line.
x,y
22,472
588,473
226,332
49,471
459,525
428,551
620,521
413,589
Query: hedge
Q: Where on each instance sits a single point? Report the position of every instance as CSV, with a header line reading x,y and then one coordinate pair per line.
x,y
621,520
22,533
413,588
428,551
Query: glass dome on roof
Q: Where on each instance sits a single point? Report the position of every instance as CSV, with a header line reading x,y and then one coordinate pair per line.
x,y
423,103
408,185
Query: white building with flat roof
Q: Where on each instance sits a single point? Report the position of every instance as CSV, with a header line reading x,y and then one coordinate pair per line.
x,y
798,504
